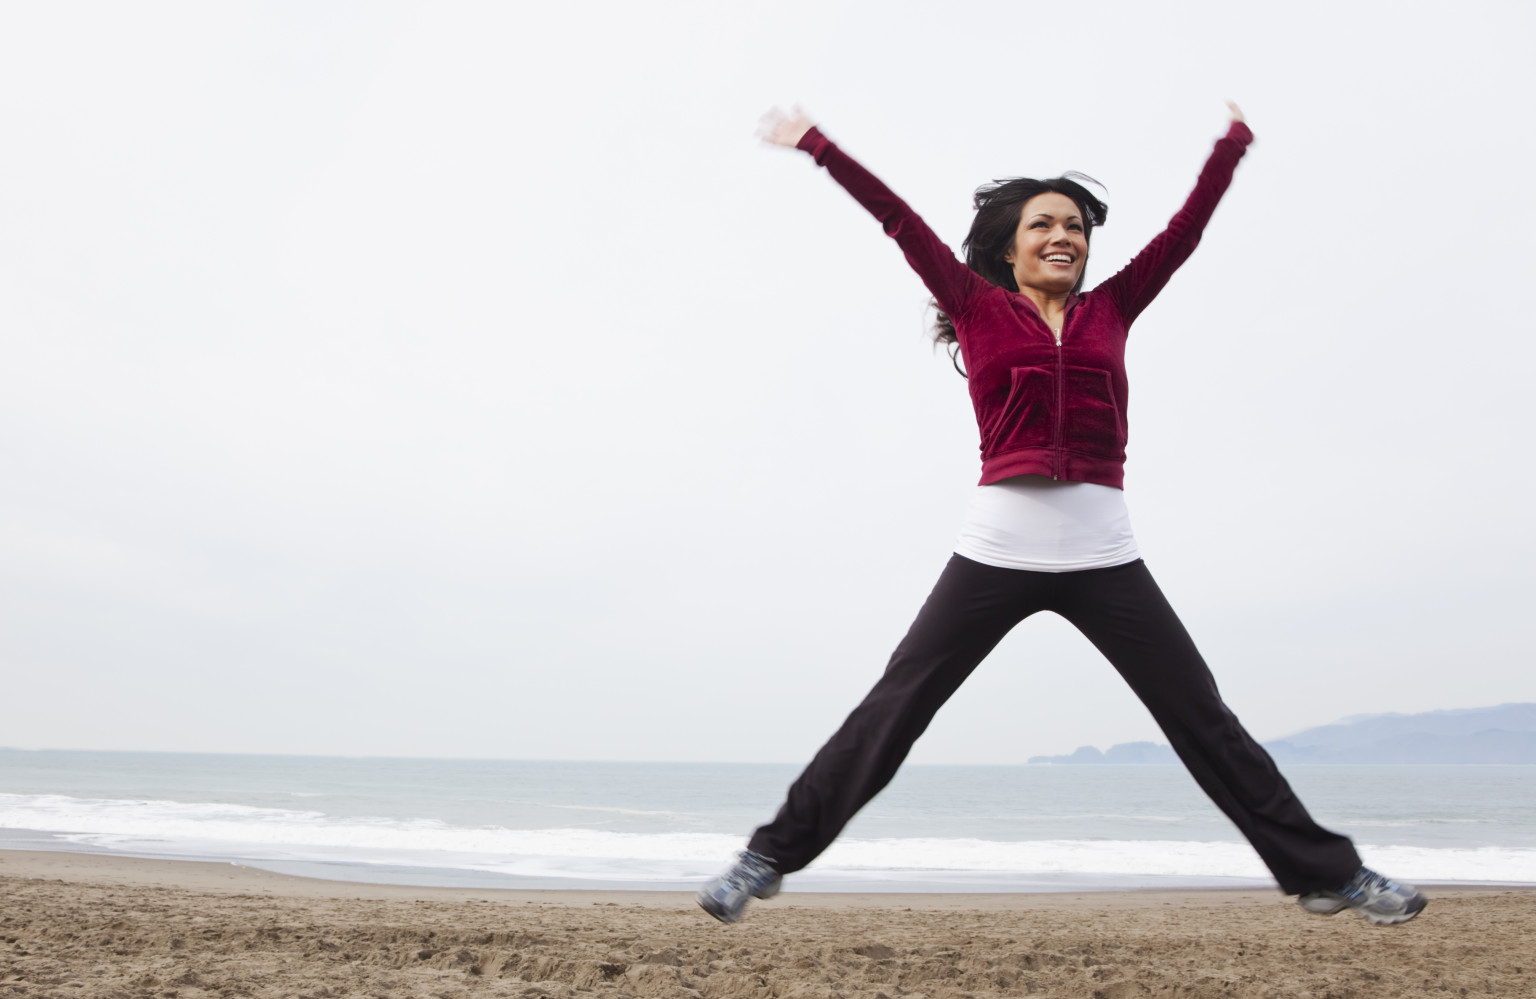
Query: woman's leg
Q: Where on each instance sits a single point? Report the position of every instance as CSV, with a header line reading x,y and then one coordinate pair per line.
x,y
1124,614
969,611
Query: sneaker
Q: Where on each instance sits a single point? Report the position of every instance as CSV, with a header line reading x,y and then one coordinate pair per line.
x,y
750,877
1379,899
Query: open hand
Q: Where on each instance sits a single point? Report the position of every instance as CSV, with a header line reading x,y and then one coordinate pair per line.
x,y
781,129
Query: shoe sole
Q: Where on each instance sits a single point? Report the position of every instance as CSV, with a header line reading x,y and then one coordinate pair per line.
x,y
1324,906
717,910
1330,907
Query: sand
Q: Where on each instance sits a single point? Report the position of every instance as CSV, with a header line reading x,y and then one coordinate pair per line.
x,y
81,925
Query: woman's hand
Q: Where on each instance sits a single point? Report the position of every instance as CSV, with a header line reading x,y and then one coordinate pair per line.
x,y
780,129
1237,112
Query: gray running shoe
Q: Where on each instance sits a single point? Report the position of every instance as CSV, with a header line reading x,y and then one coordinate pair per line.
x,y
1379,899
750,877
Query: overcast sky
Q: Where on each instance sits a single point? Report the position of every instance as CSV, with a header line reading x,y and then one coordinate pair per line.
x,y
466,380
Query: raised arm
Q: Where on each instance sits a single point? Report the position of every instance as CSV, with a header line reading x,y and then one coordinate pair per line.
x,y
953,284
1139,281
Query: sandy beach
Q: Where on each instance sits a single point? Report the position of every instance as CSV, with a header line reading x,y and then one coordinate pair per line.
x,y
86,925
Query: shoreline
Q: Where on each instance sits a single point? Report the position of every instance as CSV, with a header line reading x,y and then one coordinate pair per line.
x,y
231,877
94,925
227,877
819,882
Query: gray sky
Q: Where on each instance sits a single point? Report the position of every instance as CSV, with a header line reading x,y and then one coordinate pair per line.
x,y
465,380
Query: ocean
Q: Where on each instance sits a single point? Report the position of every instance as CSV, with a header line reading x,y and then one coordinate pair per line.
x,y
541,824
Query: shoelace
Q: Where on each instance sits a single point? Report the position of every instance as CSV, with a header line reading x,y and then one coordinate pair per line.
x,y
750,874
1359,886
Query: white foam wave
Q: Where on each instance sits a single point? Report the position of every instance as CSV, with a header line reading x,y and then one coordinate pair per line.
x,y
1416,823
613,809
227,831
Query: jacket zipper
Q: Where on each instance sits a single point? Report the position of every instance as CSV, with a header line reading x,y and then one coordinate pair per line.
x,y
1061,402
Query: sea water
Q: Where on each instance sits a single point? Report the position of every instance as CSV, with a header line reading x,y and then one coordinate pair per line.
x,y
500,823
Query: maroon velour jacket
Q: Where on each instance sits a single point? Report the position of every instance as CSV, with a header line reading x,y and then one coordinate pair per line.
x,y
1043,409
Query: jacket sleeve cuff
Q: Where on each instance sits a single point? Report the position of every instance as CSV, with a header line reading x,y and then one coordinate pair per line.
x,y
1240,132
814,143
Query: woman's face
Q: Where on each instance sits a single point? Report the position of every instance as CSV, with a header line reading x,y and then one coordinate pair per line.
x,y
1051,246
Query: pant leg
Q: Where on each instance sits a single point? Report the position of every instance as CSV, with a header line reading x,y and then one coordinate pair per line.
x,y
1124,614
969,611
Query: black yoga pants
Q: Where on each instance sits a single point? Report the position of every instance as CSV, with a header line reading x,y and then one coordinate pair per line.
x,y
1123,613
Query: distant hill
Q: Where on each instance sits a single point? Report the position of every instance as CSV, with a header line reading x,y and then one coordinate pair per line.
x,y
1503,734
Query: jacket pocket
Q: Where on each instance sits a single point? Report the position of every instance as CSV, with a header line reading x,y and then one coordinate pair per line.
x,y
1028,416
1094,422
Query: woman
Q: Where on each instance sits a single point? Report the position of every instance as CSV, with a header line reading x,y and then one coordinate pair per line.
x,y
1047,528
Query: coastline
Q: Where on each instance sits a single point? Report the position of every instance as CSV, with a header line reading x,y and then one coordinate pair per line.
x,y
222,877
77,924
581,826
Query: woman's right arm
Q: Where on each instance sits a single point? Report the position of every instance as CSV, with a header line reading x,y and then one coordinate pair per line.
x,y
953,284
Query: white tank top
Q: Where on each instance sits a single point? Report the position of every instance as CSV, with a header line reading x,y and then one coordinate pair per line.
x,y
1031,522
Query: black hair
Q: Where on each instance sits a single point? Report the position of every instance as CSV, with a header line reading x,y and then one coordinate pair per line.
x,y
996,225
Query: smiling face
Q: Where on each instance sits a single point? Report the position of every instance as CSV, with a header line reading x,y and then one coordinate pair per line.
x,y
1051,246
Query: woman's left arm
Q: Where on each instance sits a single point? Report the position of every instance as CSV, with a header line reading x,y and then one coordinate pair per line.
x,y
1138,282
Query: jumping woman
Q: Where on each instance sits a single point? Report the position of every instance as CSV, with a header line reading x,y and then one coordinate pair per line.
x,y
1047,528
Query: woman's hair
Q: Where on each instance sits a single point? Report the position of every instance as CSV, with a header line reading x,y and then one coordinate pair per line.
x,y
998,207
